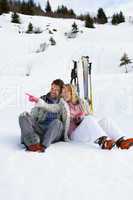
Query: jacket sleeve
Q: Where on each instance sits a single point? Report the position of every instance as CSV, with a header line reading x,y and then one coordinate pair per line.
x,y
48,107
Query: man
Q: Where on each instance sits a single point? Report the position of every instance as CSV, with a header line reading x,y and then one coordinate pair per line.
x,y
40,128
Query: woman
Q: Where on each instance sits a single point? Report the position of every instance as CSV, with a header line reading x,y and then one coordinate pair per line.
x,y
84,127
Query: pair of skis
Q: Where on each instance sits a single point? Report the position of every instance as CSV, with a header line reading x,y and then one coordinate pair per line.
x,y
83,73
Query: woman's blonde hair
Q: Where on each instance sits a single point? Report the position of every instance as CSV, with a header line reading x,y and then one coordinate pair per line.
x,y
74,95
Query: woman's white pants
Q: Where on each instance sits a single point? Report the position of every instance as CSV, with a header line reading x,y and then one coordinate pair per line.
x,y
90,129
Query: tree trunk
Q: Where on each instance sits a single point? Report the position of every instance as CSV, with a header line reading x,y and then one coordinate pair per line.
x,y
126,69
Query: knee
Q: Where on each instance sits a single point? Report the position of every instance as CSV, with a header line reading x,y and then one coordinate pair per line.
x,y
58,123
23,116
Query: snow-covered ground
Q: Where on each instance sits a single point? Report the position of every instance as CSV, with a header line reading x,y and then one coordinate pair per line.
x,y
67,170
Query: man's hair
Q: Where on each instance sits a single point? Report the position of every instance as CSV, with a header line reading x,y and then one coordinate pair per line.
x,y
59,82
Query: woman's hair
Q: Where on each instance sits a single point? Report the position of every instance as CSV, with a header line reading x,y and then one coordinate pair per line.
x,y
74,95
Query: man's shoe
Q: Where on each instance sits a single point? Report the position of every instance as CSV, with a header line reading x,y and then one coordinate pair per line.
x,y
36,148
124,143
105,143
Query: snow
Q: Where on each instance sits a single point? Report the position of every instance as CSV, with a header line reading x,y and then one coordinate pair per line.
x,y
66,170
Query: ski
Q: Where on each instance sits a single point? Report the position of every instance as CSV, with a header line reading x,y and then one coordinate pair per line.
x,y
84,61
87,82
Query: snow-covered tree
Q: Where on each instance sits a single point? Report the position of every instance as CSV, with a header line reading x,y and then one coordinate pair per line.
x,y
30,28
121,17
52,41
74,28
89,23
125,61
118,18
63,11
48,8
101,16
15,18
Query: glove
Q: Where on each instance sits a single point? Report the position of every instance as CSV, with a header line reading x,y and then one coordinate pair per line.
x,y
32,98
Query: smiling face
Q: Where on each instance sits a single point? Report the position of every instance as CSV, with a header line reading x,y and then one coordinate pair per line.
x,y
67,94
55,91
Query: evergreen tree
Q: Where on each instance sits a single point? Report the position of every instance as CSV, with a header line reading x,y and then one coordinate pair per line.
x,y
63,11
52,41
48,8
125,61
121,17
27,7
4,6
118,18
30,7
74,28
71,13
23,7
101,17
30,28
15,18
114,20
81,17
89,23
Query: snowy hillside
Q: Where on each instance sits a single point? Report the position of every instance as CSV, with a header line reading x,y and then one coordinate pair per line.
x,y
66,171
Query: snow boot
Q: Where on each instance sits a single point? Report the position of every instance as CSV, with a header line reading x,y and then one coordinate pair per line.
x,y
36,148
124,143
105,143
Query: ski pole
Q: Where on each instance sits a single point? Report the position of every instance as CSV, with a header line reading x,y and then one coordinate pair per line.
x,y
74,77
91,95
78,90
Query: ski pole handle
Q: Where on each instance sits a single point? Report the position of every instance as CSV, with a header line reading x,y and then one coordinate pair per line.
x,y
90,68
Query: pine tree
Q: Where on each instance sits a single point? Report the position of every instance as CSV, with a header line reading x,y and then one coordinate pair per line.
x,y
4,6
23,7
74,28
15,18
71,13
52,41
30,7
48,8
114,20
89,23
101,17
121,17
118,18
64,12
30,28
125,61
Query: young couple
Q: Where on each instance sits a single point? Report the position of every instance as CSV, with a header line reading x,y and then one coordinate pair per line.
x,y
61,115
